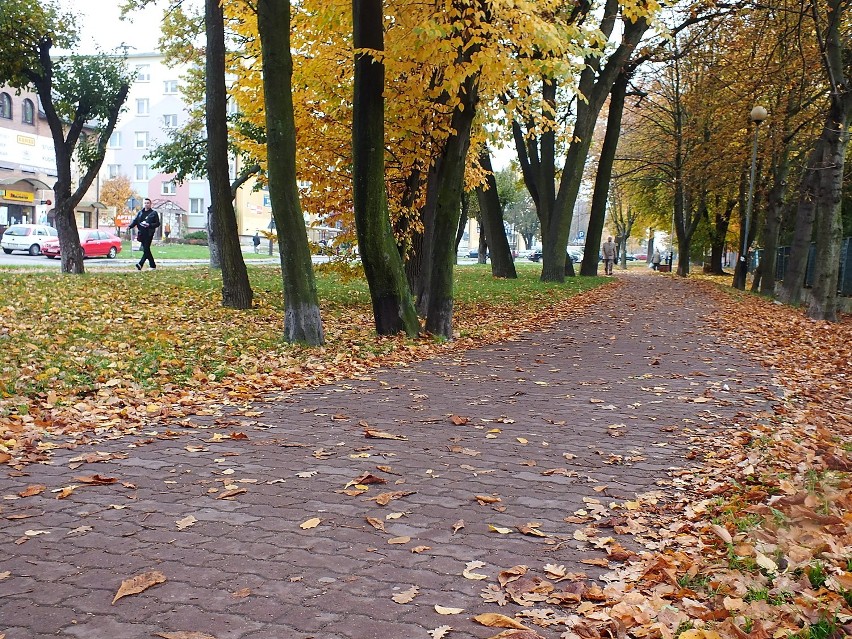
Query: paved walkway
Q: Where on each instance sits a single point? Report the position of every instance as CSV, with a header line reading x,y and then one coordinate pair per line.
x,y
570,420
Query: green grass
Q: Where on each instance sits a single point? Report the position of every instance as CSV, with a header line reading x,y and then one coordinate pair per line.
x,y
173,251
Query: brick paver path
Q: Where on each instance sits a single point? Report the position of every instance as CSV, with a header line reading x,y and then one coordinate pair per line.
x,y
615,389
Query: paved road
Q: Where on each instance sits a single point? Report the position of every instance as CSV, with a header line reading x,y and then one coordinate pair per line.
x,y
552,424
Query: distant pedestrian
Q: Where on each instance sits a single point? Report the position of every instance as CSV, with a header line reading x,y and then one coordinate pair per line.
x,y
656,258
146,221
167,230
609,252
256,241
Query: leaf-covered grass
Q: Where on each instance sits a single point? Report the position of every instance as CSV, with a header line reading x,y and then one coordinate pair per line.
x,y
95,349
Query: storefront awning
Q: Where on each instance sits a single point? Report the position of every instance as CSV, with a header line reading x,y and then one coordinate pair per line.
x,y
35,183
91,205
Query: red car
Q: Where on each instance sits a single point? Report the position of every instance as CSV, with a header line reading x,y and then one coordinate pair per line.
x,y
95,243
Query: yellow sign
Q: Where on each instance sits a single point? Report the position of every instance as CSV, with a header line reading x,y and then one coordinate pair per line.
x,y
26,139
18,196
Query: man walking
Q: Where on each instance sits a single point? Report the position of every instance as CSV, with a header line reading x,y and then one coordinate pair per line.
x,y
146,221
608,251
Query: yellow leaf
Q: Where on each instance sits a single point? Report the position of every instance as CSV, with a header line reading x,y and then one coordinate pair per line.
x,y
472,565
499,529
310,523
399,540
441,610
494,620
406,596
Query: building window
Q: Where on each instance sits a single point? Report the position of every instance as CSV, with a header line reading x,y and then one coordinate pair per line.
x,y
28,112
143,72
170,121
196,206
169,188
5,106
141,139
143,106
114,140
114,170
170,87
141,171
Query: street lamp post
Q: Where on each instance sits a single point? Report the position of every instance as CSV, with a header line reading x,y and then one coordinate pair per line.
x,y
758,115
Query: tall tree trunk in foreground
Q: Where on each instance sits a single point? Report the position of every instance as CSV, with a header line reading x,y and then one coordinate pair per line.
x,y
450,184
302,322
502,264
393,308
236,289
600,196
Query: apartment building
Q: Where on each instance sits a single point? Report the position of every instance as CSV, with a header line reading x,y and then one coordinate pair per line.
x,y
154,107
27,160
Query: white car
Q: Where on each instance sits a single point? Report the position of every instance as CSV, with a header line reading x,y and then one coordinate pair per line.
x,y
26,237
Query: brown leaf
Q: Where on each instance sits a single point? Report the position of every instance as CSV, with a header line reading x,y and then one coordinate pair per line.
x,y
440,632
378,524
486,499
242,593
464,451
96,480
517,634
458,526
139,583
184,635
31,490
378,434
231,493
399,540
418,549
66,492
458,420
531,529
383,499
495,620
367,478
510,575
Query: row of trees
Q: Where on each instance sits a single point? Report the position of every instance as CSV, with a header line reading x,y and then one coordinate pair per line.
x,y
396,159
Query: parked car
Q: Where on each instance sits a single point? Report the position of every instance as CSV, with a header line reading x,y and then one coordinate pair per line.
x,y
535,256
26,237
95,243
642,257
631,258
475,254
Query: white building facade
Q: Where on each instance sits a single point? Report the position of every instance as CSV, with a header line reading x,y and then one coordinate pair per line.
x,y
155,106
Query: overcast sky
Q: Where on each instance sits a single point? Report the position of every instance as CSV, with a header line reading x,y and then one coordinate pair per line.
x,y
100,26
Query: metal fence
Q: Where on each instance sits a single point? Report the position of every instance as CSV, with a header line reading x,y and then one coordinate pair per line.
x,y
844,279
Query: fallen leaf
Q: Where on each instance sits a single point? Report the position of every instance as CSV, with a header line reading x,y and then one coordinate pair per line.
x,y
440,632
511,574
495,620
722,533
184,635
487,499
378,434
472,565
79,530
231,493
383,499
406,596
96,480
399,540
441,610
499,529
32,490
458,526
459,420
139,583
418,549
531,529
378,524
186,522
519,634
5,575
242,593
310,523
307,473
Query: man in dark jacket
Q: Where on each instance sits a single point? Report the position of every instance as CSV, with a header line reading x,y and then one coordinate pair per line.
x,y
146,221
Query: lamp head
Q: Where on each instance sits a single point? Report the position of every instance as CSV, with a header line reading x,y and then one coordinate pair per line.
x,y
758,114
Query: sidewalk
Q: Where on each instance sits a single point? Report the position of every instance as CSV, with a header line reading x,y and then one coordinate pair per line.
x,y
570,423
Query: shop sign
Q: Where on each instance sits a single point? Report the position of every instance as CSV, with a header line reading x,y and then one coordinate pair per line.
x,y
17,196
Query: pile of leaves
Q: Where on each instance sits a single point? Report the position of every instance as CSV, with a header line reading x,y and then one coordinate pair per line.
x,y
758,546
111,354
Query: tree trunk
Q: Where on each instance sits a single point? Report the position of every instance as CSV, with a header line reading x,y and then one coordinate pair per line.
x,y
236,289
600,195
482,247
302,322
439,318
794,277
393,308
772,224
718,235
502,263
213,241
829,223
465,208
